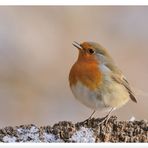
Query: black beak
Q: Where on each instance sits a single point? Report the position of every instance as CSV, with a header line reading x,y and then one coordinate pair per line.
x,y
77,45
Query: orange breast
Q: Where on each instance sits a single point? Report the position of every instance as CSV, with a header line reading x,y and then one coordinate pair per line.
x,y
86,71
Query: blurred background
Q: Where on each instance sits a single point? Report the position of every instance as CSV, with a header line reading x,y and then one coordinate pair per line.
x,y
36,55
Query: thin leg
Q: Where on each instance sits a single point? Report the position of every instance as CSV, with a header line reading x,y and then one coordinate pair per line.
x,y
106,118
89,117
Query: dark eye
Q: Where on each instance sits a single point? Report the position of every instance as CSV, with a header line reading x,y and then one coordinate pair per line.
x,y
91,51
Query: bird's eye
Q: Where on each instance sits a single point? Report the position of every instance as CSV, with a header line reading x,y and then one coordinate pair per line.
x,y
91,51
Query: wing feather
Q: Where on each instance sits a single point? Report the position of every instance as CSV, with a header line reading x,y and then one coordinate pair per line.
x,y
119,78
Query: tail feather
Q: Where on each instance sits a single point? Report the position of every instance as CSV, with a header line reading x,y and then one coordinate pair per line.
x,y
133,98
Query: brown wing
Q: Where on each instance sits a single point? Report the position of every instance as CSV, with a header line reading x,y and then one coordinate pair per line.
x,y
119,78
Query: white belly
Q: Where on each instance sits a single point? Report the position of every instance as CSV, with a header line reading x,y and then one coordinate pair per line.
x,y
87,96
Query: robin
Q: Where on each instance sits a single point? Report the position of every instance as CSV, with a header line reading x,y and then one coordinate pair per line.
x,y
96,81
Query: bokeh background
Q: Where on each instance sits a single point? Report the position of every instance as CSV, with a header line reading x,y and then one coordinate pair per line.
x,y
36,54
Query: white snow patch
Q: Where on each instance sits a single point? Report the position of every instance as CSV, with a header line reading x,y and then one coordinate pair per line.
x,y
51,138
132,118
29,135
9,139
84,135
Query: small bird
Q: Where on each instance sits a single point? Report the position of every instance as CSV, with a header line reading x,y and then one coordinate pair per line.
x,y
96,81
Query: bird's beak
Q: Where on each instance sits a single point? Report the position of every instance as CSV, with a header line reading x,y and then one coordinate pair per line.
x,y
77,45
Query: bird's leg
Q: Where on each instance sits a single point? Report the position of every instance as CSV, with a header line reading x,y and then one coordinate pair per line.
x,y
89,117
106,118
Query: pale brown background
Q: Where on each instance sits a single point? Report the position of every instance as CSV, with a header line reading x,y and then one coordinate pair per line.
x,y
36,54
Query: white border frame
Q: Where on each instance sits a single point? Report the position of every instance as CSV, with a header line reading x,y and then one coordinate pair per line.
x,y
75,3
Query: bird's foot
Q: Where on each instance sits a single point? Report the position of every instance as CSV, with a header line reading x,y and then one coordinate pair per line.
x,y
104,120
